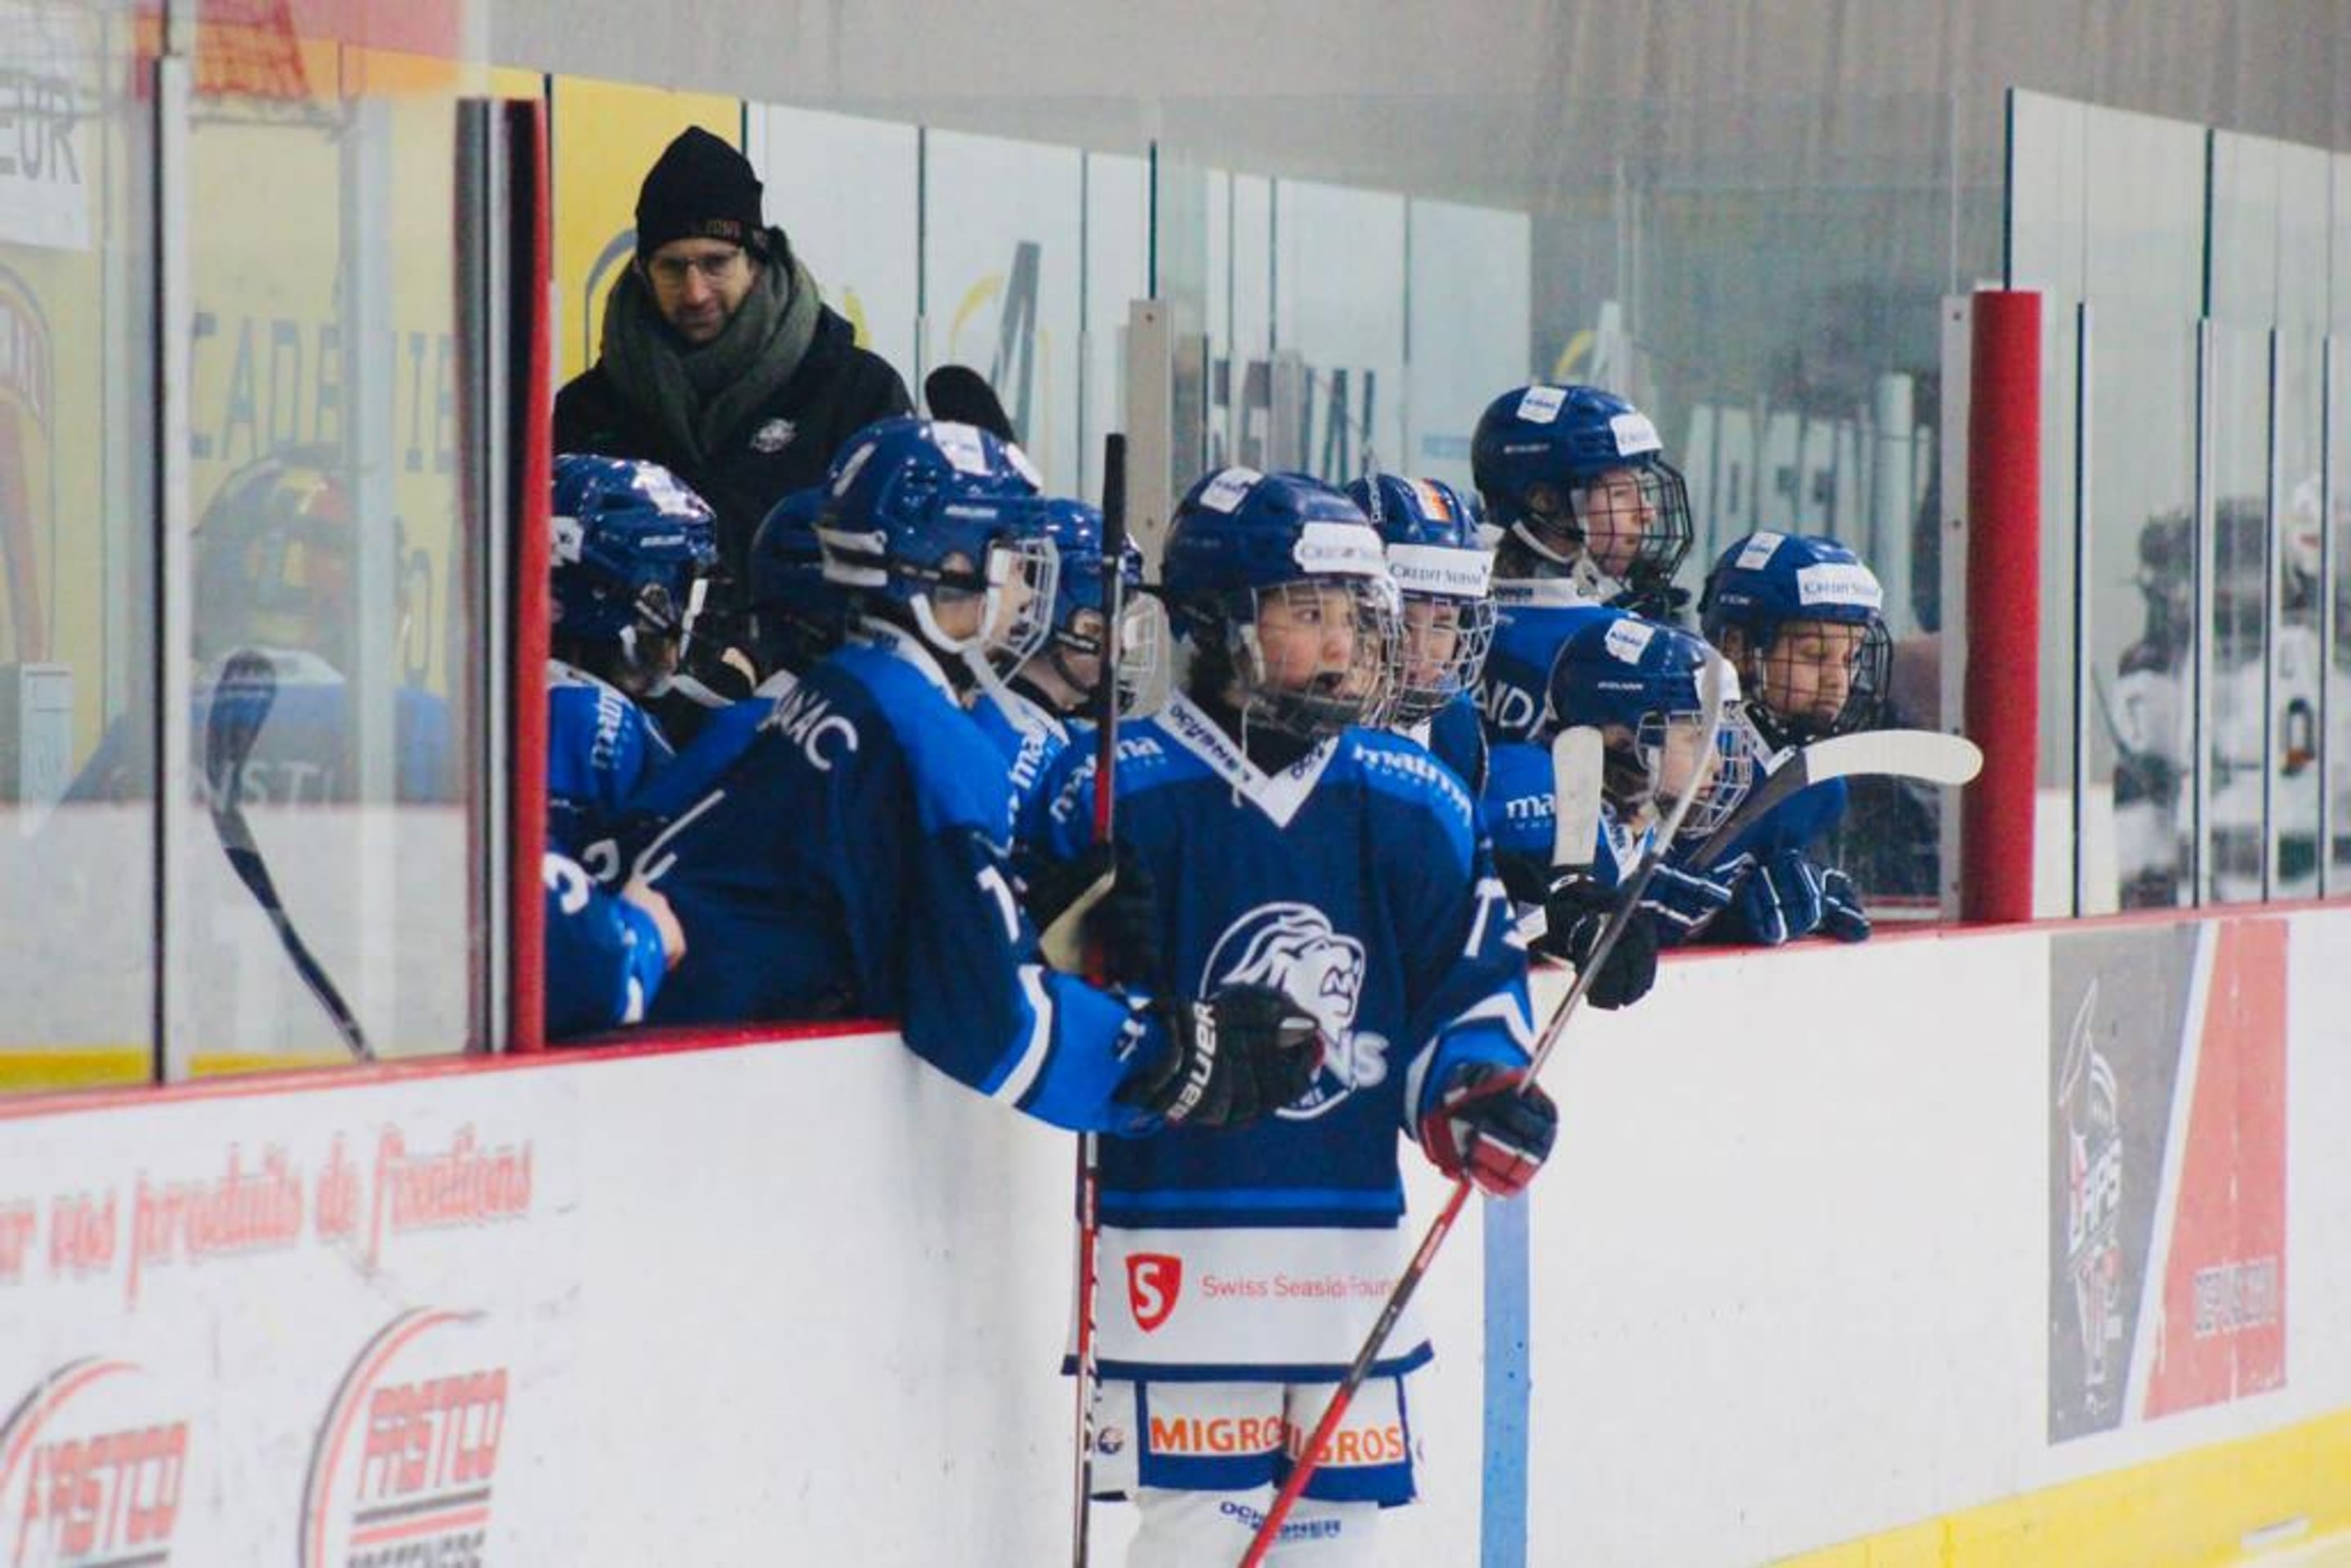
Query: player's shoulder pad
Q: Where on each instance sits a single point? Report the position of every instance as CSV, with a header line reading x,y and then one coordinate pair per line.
x,y
864,703
1146,761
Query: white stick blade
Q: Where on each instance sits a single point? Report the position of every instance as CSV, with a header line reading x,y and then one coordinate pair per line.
x,y
1575,765
1924,754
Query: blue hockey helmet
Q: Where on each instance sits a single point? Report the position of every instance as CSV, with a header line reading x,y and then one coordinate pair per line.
x,y
1803,619
934,525
1249,559
629,541
1444,573
796,614
1076,530
1578,476
1636,682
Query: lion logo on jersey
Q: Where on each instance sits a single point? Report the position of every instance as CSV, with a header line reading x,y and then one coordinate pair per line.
x,y
1292,947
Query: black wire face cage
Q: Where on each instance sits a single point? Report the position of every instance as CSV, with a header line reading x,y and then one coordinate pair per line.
x,y
1430,676
1773,672
1676,756
1629,526
1282,648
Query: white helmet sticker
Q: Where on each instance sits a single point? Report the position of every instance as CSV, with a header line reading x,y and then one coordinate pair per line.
x,y
1225,491
1759,550
1839,582
961,445
1542,404
849,469
1628,640
1021,464
1442,569
1339,550
1634,434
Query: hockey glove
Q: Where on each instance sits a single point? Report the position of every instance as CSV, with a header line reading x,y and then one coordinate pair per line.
x,y
1685,901
1105,903
1482,1126
1780,900
1842,916
1575,914
1232,1058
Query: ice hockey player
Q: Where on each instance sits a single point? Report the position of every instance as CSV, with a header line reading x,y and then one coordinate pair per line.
x,y
853,861
606,951
797,619
1444,574
629,542
1028,713
1636,682
1302,847
1803,620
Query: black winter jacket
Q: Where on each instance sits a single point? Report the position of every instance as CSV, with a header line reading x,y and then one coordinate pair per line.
x,y
784,446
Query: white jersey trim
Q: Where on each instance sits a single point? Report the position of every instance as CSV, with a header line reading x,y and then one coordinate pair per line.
x,y
1040,1044
1280,796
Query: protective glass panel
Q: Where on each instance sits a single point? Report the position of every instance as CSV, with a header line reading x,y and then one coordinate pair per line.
x,y
330,895
2142,275
76,569
1000,281
843,189
2235,725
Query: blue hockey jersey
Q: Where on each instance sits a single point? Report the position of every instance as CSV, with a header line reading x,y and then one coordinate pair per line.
x,y
604,955
852,864
1356,881
1798,823
1455,736
601,749
1031,740
1519,810
1533,619
725,734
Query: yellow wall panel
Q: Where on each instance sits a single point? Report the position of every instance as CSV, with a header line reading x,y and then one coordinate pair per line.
x,y
606,135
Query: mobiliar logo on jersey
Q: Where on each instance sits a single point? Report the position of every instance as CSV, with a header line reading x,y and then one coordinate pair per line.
x,y
92,1467
401,1472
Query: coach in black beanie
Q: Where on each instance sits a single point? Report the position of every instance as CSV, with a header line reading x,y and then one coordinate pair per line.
x,y
701,188
719,359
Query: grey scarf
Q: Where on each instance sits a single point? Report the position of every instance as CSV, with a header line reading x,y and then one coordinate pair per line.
x,y
699,395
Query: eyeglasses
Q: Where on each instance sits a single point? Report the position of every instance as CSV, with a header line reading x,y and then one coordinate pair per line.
x,y
716,267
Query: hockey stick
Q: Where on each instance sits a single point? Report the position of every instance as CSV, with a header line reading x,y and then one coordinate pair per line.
x,y
1575,776
1712,689
241,698
1106,695
960,393
1926,755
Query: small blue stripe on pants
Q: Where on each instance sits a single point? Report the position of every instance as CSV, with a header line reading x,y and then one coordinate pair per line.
x,y
1503,1531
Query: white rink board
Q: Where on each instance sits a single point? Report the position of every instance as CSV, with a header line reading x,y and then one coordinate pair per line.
x,y
803,1300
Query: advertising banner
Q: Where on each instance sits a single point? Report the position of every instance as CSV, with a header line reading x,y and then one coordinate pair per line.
x,y
2166,1193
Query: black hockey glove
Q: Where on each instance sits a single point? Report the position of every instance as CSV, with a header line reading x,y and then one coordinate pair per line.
x,y
1781,899
1842,916
1232,1058
1575,914
1104,902
1484,1126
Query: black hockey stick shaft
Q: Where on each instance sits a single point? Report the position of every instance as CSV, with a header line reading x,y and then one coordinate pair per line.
x,y
1712,687
242,699
960,393
1106,703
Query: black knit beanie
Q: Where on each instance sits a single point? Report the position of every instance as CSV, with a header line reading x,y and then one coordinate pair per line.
x,y
700,188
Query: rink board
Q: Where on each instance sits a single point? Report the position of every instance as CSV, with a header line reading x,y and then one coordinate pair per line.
x,y
1802,1282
